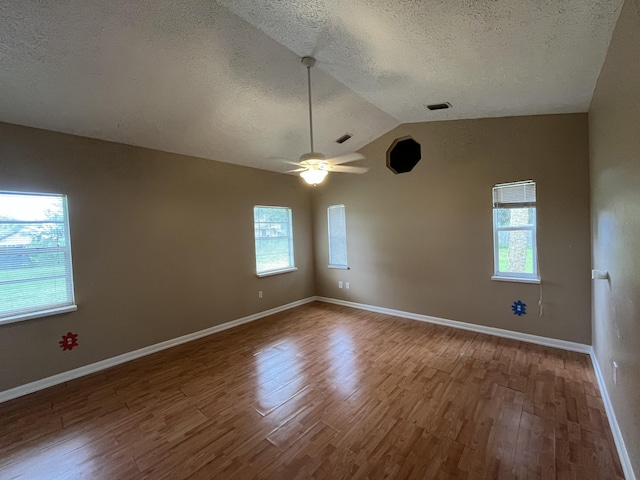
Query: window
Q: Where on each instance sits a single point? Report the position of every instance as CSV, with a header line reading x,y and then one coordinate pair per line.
x,y
35,256
274,240
514,232
337,227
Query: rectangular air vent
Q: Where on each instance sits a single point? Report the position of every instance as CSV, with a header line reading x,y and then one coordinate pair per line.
x,y
344,138
439,106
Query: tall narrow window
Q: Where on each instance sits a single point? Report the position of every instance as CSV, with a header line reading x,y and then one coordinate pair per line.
x,y
337,227
35,256
514,231
274,240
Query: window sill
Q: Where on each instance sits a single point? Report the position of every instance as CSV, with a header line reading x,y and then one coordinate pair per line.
x,y
338,267
39,314
516,279
276,272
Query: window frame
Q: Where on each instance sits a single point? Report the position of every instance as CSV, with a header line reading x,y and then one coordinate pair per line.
x,y
53,308
515,276
331,264
292,266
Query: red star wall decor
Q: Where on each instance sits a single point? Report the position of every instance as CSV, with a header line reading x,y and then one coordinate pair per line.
x,y
69,341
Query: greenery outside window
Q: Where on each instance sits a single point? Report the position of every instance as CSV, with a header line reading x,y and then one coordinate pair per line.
x,y
274,240
36,277
514,232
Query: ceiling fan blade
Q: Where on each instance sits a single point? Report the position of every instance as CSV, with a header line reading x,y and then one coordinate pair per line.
x,y
284,160
296,170
347,169
346,158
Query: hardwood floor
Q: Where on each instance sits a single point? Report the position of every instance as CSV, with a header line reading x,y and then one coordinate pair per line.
x,y
321,391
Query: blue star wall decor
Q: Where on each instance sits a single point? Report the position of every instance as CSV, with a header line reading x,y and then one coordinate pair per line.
x,y
519,308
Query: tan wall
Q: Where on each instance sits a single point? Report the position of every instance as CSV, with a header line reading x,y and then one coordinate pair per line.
x,y
162,246
422,241
614,132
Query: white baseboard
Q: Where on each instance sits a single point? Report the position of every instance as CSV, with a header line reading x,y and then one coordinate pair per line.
x,y
498,332
613,421
524,337
125,357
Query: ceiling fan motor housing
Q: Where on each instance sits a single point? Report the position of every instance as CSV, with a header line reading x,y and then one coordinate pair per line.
x,y
313,157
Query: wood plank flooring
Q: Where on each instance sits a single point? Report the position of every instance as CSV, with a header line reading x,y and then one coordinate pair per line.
x,y
321,391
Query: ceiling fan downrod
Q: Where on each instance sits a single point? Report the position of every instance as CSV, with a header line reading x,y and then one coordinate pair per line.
x,y
309,62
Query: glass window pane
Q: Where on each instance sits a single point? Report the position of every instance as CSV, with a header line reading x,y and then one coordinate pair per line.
x,y
271,214
35,258
31,207
34,295
272,228
31,235
21,266
515,217
272,254
515,250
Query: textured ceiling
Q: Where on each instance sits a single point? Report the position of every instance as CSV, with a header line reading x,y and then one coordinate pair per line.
x,y
223,80
487,58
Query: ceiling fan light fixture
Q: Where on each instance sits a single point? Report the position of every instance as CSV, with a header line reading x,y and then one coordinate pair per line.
x,y
313,176
314,166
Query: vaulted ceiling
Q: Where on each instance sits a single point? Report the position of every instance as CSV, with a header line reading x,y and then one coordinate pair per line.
x,y
223,80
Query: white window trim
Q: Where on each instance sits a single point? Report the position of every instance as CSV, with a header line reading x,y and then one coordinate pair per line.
x,y
292,268
536,281
519,277
60,308
276,272
39,314
337,266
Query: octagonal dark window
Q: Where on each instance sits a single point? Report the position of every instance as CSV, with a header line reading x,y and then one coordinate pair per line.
x,y
403,154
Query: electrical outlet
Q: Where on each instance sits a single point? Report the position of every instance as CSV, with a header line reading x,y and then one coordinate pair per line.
x,y
339,283
615,373
259,293
346,285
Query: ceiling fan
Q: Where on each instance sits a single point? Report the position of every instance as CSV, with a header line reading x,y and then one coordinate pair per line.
x,y
314,166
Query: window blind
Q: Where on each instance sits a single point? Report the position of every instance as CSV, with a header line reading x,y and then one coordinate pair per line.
x,y
515,195
337,227
35,254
